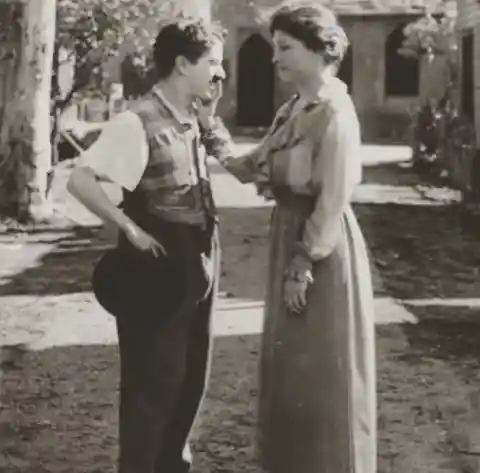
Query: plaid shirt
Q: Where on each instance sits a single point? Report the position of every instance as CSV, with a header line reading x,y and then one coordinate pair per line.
x,y
176,182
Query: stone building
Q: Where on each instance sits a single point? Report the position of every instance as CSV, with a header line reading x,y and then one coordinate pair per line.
x,y
385,86
468,26
464,164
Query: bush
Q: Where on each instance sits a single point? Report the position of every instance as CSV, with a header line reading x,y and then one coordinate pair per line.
x,y
444,144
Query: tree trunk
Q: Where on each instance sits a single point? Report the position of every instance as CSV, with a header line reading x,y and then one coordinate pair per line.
x,y
25,153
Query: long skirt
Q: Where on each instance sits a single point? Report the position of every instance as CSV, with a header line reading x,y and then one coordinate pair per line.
x,y
317,406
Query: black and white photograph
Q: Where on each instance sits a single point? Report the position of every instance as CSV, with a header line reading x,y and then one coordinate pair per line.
x,y
239,236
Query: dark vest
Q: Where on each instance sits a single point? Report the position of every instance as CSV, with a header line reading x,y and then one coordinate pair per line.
x,y
175,185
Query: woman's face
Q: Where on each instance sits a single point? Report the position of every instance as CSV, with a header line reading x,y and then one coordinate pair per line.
x,y
294,61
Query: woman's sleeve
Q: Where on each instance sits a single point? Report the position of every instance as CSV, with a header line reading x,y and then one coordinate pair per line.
x,y
246,167
338,168
218,143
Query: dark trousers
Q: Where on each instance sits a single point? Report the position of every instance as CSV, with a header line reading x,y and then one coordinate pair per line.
x,y
164,367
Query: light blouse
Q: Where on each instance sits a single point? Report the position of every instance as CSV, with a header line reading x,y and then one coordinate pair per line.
x,y
313,152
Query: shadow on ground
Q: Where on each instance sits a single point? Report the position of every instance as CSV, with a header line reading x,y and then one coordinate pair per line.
x,y
59,404
422,251
67,268
59,409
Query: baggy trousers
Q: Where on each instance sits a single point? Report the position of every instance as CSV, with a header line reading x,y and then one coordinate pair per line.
x,y
164,365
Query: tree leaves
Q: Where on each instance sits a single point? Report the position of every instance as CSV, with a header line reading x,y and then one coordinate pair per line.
x,y
432,35
103,22
95,29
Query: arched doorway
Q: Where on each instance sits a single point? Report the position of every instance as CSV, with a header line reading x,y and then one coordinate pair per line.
x,y
402,74
255,83
468,75
345,72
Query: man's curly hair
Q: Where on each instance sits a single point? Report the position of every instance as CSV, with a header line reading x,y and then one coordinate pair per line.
x,y
187,37
315,26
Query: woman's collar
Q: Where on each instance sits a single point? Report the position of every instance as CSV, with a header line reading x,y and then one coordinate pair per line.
x,y
329,89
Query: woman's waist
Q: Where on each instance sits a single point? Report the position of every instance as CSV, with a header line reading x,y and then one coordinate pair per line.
x,y
301,204
287,197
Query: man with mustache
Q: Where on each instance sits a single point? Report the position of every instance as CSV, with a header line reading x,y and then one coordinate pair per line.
x,y
168,217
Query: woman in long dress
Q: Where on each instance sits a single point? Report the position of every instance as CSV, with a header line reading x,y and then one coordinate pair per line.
x,y
317,407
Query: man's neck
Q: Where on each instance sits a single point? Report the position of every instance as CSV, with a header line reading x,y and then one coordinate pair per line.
x,y
177,96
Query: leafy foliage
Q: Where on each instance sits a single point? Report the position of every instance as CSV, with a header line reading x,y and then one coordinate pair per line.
x,y
437,126
432,34
93,30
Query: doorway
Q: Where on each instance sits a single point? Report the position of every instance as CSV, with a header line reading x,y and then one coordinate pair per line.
x,y
255,83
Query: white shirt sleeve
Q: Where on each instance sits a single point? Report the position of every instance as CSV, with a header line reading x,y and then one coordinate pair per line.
x,y
120,154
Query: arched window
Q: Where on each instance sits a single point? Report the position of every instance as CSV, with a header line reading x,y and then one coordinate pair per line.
x,y
468,76
402,74
255,83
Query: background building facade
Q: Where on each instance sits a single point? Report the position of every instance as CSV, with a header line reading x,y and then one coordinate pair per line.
x,y
385,86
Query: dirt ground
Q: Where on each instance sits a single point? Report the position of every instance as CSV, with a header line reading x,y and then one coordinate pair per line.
x,y
58,411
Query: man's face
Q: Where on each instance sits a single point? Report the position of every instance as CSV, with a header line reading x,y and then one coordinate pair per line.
x,y
202,74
